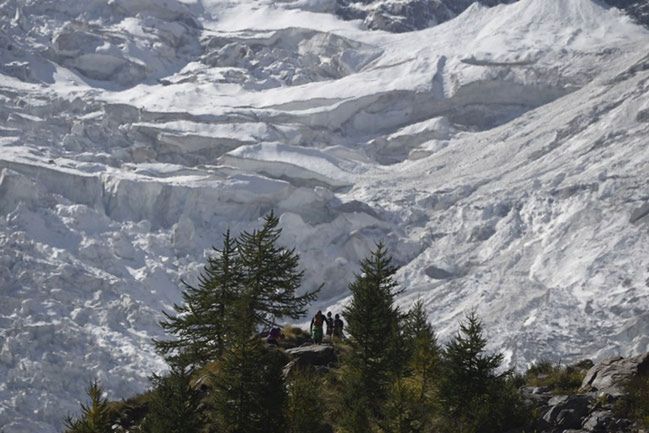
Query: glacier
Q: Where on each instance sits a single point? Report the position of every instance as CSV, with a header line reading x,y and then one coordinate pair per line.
x,y
500,152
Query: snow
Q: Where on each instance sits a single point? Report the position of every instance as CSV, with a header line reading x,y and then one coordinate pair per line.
x,y
296,164
501,155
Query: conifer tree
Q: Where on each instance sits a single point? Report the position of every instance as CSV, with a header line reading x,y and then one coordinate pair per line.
x,y
202,324
305,405
410,407
249,392
402,410
373,322
425,358
470,389
355,413
271,275
174,406
95,417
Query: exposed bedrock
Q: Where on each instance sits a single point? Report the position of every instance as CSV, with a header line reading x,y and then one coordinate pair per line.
x,y
404,16
611,376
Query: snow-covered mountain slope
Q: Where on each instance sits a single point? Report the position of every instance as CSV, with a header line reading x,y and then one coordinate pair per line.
x,y
409,15
502,155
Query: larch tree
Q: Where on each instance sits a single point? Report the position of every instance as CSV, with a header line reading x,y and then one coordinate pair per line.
x,y
473,396
271,275
202,324
373,322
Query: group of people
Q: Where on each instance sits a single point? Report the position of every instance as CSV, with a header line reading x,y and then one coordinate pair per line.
x,y
334,327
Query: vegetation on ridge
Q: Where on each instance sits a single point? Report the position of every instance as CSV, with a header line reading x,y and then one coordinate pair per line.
x,y
391,376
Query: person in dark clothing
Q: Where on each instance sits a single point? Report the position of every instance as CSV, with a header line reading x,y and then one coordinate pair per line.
x,y
338,327
273,336
330,326
316,327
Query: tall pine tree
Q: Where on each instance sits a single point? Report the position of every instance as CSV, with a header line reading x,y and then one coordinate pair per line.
x,y
271,275
373,322
473,396
202,324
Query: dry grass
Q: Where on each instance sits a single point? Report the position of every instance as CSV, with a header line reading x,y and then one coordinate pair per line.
x,y
559,379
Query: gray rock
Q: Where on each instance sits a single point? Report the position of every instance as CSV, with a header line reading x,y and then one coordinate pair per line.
x,y
569,418
643,210
611,376
567,411
438,273
20,70
599,421
289,368
315,355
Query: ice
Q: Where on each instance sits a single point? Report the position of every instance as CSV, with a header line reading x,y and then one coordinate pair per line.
x,y
501,155
296,164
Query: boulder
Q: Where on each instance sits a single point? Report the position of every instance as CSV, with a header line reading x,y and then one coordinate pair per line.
x,y
314,355
566,411
599,421
611,376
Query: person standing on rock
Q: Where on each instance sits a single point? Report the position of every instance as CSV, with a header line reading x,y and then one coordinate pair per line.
x,y
330,326
338,327
316,327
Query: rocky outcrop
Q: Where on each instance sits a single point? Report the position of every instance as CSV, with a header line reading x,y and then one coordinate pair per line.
x,y
611,376
581,413
567,412
404,16
317,357
316,354
596,408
